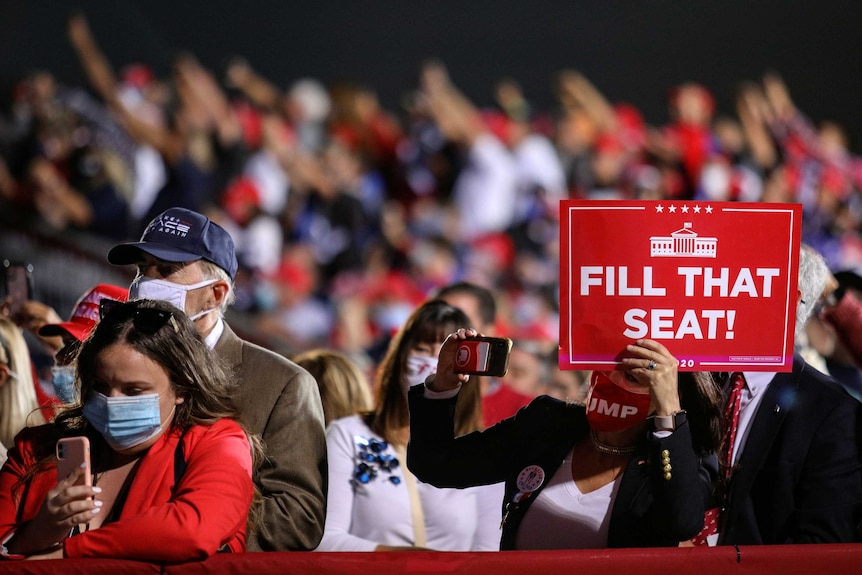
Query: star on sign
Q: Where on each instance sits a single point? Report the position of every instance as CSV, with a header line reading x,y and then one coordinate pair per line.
x,y
685,209
659,209
709,209
697,209
672,209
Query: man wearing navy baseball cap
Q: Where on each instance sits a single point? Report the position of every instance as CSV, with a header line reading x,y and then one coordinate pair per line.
x,y
188,260
180,235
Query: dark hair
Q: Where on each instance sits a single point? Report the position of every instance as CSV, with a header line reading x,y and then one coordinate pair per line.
x,y
700,397
168,337
429,323
164,334
484,297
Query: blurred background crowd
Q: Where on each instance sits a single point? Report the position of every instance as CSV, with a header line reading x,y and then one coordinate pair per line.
x,y
348,213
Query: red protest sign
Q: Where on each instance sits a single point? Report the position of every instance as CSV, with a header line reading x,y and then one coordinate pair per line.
x,y
715,282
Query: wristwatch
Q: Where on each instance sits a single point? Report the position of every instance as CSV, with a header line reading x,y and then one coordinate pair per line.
x,y
669,422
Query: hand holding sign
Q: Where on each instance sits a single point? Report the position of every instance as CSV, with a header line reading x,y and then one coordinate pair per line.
x,y
655,367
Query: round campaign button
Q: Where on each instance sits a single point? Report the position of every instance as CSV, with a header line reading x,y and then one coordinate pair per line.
x,y
530,478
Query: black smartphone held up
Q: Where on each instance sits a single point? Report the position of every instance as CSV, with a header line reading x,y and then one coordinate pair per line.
x,y
483,355
17,284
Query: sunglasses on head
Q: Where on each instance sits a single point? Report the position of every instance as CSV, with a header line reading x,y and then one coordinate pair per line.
x,y
146,319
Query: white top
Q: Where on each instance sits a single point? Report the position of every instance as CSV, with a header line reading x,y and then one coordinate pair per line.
x,y
538,165
362,515
486,189
562,517
272,181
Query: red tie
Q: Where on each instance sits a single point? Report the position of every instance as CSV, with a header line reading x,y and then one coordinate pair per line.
x,y
731,420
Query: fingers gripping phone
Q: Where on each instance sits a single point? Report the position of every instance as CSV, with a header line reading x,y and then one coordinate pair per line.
x,y
72,452
483,356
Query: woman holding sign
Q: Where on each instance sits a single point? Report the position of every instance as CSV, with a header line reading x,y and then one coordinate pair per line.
x,y
632,468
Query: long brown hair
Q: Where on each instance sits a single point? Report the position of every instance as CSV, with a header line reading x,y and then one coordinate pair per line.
x,y
429,323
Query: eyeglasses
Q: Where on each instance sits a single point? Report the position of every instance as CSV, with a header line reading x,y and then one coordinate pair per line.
x,y
146,319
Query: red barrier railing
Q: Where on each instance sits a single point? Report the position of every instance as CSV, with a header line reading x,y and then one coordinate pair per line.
x,y
754,560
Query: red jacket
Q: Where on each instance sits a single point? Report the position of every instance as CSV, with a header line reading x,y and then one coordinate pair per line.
x,y
207,509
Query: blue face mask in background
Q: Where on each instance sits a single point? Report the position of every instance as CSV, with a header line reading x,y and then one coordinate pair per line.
x,y
63,378
124,422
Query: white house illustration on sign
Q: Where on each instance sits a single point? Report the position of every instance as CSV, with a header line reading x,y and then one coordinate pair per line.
x,y
681,243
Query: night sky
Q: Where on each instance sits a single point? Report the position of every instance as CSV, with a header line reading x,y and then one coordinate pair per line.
x,y
633,50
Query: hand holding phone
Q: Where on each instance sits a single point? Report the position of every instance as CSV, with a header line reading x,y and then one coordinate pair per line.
x,y
482,355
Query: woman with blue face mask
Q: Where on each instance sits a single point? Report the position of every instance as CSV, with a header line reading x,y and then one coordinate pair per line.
x,y
374,502
167,455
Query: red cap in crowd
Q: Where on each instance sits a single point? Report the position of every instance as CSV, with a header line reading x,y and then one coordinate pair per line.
x,y
85,314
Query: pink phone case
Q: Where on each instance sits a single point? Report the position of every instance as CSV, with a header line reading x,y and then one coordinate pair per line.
x,y
71,453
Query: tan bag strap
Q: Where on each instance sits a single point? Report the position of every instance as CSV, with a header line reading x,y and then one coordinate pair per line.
x,y
419,539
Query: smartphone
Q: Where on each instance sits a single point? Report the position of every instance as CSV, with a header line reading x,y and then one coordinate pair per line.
x,y
18,284
483,356
71,453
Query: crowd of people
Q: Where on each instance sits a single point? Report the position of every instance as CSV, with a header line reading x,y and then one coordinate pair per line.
x,y
370,242
162,392
346,215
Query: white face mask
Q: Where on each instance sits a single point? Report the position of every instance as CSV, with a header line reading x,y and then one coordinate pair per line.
x,y
173,293
419,367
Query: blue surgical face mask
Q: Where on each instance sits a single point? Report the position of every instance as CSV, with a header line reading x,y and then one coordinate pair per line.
x,y
124,422
173,293
63,378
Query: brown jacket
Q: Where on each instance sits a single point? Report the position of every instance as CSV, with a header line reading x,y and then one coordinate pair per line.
x,y
279,401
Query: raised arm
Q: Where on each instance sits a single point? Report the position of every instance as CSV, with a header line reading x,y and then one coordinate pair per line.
x,y
208,95
256,88
455,115
754,116
574,89
434,454
104,82
94,62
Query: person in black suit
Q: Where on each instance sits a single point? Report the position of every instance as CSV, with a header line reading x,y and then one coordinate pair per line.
x,y
582,476
796,474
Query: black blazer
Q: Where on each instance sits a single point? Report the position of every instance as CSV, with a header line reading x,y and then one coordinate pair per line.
x,y
799,477
649,510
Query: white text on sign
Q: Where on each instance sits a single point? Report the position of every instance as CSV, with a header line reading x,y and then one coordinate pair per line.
x,y
710,281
